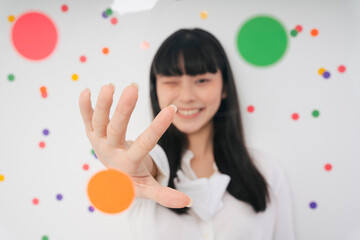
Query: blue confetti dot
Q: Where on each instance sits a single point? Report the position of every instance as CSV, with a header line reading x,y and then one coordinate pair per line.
x,y
59,197
91,209
326,74
46,132
313,205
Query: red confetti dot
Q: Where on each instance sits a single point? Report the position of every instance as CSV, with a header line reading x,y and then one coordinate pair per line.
x,y
34,35
82,59
342,68
295,116
114,20
328,167
44,94
35,201
41,144
298,28
250,109
86,167
64,8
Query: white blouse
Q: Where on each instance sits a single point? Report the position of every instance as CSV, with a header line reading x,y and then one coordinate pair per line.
x,y
215,213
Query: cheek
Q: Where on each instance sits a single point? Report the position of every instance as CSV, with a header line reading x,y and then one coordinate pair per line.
x,y
213,97
164,97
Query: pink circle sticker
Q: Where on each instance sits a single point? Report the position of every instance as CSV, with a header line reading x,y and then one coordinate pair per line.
x,y
34,35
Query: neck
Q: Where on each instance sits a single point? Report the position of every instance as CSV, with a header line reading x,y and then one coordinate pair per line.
x,y
201,142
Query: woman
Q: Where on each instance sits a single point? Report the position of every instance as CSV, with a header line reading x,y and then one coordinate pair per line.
x,y
224,190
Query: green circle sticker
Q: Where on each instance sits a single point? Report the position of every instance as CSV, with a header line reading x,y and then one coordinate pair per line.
x,y
262,41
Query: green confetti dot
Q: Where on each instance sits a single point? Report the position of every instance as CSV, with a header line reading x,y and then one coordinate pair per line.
x,y
45,238
11,77
315,113
92,151
108,12
293,32
262,41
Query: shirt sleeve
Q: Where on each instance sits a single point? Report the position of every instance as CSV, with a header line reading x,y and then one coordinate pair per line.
x,y
284,228
159,157
280,194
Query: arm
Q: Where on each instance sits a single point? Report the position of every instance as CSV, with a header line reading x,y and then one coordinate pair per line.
x,y
284,228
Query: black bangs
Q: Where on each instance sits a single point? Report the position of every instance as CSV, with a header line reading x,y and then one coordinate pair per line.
x,y
186,53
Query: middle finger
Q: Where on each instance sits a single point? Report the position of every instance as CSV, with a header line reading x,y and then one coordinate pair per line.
x,y
116,130
102,110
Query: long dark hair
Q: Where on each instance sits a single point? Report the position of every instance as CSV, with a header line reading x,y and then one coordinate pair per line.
x,y
201,52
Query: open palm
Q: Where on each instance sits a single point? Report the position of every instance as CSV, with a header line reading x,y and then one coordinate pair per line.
x,y
107,137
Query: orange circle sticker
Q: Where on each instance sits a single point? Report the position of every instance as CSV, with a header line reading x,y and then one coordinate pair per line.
x,y
314,32
111,191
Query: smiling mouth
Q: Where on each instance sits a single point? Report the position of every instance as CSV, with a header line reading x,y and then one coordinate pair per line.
x,y
189,113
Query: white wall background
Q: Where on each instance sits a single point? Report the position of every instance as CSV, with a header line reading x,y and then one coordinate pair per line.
x,y
292,85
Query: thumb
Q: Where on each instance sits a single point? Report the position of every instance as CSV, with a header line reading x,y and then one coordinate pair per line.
x,y
169,197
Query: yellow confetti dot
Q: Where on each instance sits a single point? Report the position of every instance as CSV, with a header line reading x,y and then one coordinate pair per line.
x,y
75,77
204,14
321,71
2,178
11,18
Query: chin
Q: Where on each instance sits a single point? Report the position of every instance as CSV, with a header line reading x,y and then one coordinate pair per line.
x,y
187,130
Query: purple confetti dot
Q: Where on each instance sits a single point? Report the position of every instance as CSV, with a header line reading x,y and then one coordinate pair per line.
x,y
59,197
104,14
46,132
91,209
326,74
313,205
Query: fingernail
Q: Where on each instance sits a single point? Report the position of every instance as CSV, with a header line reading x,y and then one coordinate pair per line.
x,y
113,86
135,84
190,203
174,107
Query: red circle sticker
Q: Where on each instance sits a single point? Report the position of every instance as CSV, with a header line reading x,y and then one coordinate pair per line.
x,y
34,35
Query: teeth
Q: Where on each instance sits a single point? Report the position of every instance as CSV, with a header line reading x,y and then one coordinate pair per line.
x,y
191,112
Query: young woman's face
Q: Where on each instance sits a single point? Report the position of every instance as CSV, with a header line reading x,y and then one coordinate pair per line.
x,y
197,98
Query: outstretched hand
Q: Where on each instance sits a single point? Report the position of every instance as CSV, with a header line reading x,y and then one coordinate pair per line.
x,y
107,138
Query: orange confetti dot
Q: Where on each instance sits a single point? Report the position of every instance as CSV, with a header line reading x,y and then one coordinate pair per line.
x,y
314,32
204,14
11,18
43,89
105,50
44,94
75,77
111,191
2,178
321,71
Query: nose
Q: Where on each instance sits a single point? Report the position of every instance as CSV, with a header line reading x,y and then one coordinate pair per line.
x,y
187,92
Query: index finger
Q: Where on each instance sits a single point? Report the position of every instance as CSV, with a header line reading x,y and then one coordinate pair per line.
x,y
148,139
